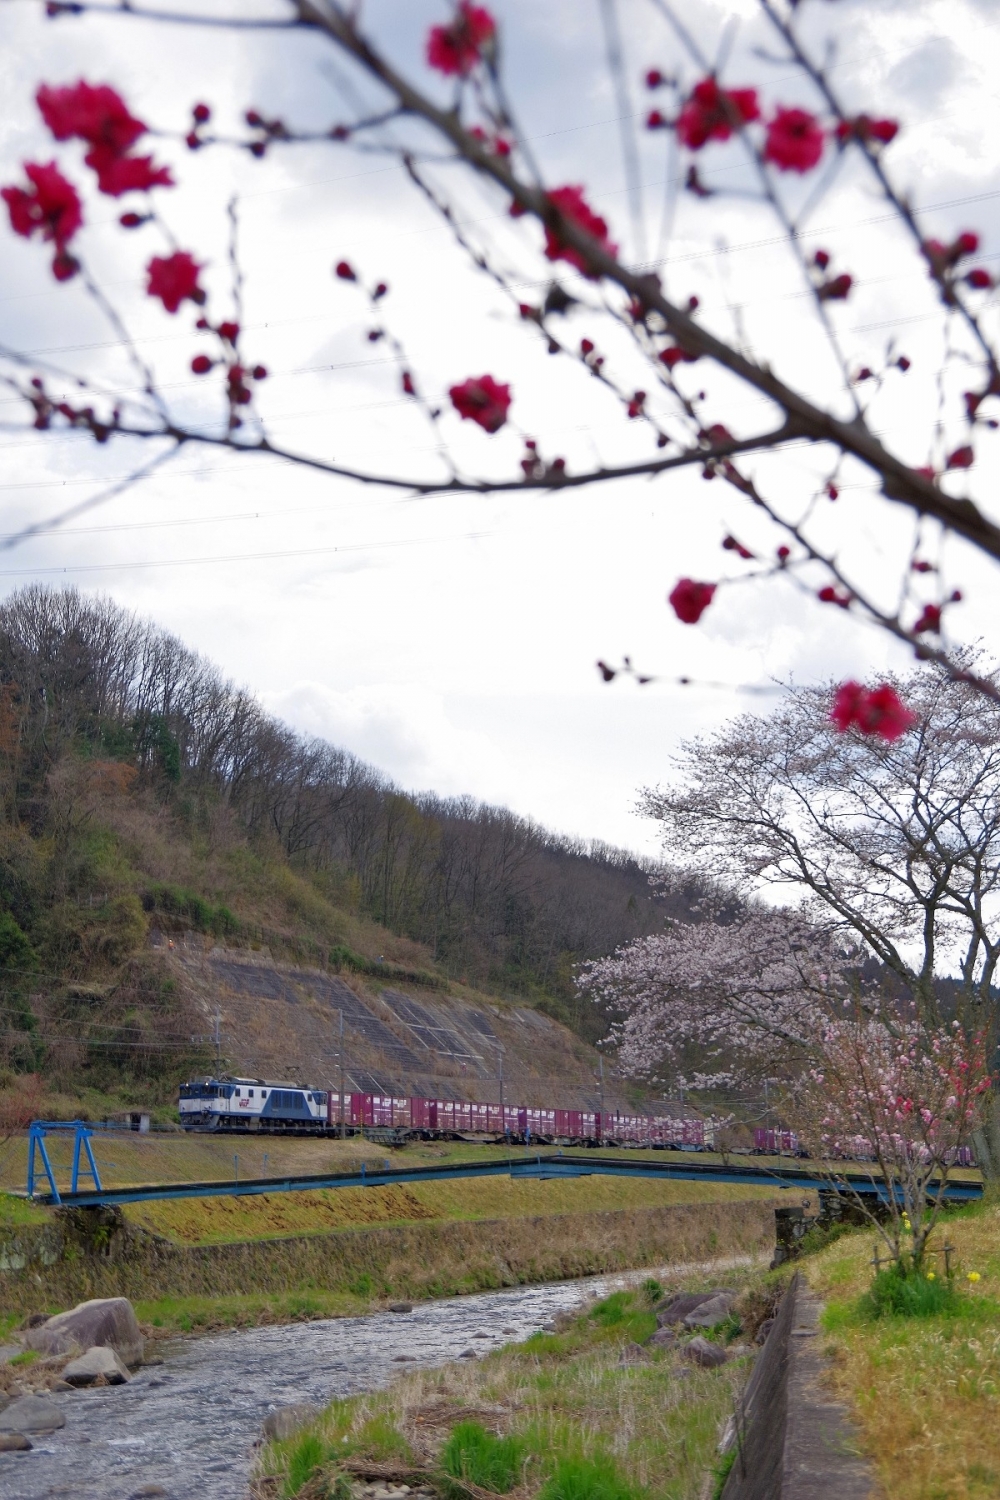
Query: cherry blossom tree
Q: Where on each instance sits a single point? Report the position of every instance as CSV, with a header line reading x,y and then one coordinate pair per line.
x,y
727,1001
761,120
906,1100
889,848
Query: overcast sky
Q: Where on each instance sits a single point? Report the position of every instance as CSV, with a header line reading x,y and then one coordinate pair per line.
x,y
452,641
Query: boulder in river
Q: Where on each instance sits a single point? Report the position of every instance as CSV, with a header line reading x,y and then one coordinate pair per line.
x,y
711,1313
401,1307
702,1352
106,1321
98,1363
286,1420
676,1309
663,1338
31,1414
14,1442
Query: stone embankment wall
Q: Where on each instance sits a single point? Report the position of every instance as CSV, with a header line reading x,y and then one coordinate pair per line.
x,y
96,1253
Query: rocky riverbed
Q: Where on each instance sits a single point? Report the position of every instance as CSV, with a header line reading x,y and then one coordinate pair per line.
x,y
188,1426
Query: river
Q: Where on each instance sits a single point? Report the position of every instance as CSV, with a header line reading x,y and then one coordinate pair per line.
x,y
188,1425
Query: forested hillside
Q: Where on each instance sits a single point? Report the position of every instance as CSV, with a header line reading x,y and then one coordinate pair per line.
x,y
140,791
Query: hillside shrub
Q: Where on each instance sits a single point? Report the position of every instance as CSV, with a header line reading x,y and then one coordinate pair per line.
x,y
175,901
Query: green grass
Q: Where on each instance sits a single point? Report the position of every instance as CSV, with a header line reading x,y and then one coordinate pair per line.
x,y
27,1358
595,1478
494,1463
722,1471
168,1315
894,1293
19,1213
305,1458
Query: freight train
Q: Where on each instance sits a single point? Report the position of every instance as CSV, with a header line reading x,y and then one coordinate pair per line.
x,y
254,1104
768,1142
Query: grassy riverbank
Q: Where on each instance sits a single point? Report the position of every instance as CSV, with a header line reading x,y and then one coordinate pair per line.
x,y
579,1419
925,1391
213,1221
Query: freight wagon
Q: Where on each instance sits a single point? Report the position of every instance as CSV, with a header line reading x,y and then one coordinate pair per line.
x,y
243,1104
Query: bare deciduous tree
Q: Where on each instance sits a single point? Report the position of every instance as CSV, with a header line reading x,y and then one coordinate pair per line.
x,y
892,847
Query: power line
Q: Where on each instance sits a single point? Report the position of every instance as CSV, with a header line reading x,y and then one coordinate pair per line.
x,y
231,557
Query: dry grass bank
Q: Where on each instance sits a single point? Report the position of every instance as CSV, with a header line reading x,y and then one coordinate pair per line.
x,y
207,1221
924,1391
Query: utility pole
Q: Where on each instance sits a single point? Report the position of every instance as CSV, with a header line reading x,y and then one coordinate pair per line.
x,y
600,1127
217,1038
343,1122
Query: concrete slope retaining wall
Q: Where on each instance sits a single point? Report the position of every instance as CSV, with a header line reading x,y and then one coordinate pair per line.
x,y
99,1254
793,1442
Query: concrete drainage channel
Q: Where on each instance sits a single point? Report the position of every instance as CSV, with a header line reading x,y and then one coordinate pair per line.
x,y
792,1441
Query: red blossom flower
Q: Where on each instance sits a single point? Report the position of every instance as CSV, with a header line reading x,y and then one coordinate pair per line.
x,y
344,270
201,364
457,48
126,174
795,140
173,279
837,289
99,116
879,712
64,266
979,278
962,458
829,595
676,356
52,206
689,599
864,128
654,78
572,205
929,620
94,113
732,545
713,114
483,401
201,114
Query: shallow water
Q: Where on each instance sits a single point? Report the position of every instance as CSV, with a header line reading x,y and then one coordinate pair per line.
x,y
189,1424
